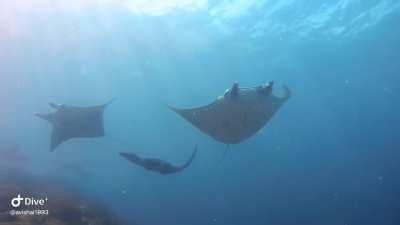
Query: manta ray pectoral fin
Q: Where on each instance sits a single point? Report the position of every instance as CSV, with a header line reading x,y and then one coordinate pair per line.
x,y
188,114
133,158
176,110
81,109
56,139
47,117
109,102
105,105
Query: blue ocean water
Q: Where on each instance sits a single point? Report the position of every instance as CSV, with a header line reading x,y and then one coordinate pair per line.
x,y
328,157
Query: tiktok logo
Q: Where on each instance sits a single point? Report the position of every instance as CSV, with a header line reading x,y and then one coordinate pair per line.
x,y
30,201
16,202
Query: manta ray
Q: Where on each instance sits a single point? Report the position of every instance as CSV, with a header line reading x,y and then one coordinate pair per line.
x,y
74,122
157,165
238,114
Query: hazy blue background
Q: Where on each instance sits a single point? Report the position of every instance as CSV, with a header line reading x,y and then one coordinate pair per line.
x,y
329,157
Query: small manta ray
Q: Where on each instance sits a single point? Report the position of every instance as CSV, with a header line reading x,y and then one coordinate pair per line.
x,y
238,114
157,165
74,122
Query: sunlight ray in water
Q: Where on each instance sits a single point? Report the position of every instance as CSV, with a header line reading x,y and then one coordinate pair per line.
x,y
162,7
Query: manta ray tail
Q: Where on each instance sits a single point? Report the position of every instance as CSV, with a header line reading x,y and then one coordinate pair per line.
x,y
191,159
228,147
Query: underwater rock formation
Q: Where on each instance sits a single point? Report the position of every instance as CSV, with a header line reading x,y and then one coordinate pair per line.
x,y
65,207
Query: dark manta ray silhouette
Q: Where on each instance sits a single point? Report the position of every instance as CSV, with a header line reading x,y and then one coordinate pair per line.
x,y
74,122
238,114
157,165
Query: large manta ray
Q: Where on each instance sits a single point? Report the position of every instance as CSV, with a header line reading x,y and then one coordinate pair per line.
x,y
74,122
157,165
238,114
